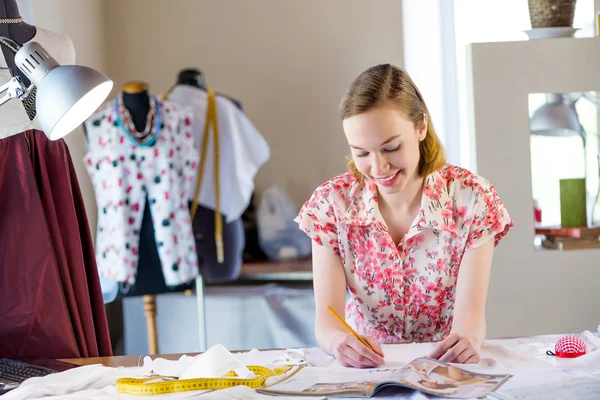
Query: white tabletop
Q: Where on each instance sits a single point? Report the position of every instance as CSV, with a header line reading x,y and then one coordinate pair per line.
x,y
535,374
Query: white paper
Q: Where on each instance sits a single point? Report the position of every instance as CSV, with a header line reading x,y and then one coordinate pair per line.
x,y
215,363
161,366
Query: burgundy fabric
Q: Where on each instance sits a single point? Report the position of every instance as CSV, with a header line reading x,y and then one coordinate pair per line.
x,y
50,297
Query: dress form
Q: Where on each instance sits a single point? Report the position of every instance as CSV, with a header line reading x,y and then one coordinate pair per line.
x,y
144,268
239,140
137,101
50,302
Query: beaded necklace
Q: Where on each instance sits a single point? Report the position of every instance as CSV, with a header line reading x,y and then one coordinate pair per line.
x,y
17,20
153,122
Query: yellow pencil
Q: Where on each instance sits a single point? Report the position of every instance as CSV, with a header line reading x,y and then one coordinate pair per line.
x,y
352,331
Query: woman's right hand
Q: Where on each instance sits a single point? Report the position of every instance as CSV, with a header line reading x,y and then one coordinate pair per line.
x,y
350,352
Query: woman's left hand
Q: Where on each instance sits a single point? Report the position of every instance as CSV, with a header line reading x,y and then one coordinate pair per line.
x,y
457,348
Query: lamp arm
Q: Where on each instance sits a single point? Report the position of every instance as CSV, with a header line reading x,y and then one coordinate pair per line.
x,y
13,89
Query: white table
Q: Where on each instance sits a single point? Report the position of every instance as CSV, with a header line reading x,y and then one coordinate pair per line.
x,y
535,374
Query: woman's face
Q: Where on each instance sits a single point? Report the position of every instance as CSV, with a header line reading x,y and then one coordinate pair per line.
x,y
385,146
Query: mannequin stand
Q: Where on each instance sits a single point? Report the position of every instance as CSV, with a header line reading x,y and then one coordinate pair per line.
x,y
150,313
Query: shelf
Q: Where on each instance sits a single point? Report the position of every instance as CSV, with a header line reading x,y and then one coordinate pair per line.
x,y
286,270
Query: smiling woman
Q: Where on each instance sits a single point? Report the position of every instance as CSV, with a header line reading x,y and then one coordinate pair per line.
x,y
409,236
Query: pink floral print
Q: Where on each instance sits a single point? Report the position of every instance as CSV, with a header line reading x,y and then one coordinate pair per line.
x,y
405,292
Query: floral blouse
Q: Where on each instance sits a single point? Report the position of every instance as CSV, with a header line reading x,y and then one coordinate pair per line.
x,y
405,292
126,177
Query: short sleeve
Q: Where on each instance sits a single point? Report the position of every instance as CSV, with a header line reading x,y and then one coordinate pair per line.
x,y
318,219
490,219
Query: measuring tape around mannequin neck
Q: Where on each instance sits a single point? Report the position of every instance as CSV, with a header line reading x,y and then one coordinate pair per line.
x,y
211,122
140,387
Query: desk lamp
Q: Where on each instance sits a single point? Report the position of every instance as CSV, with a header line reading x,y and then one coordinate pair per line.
x,y
66,94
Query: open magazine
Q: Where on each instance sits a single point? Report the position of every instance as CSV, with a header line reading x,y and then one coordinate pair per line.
x,y
423,374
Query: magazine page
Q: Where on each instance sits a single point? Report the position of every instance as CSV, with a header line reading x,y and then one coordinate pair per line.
x,y
423,374
313,381
448,380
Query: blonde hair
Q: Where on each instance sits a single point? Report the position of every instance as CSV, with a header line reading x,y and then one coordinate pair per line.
x,y
386,84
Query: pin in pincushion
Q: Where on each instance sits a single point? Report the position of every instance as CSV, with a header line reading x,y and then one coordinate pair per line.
x,y
569,347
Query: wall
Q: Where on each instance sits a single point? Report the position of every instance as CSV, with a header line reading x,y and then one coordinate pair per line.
x,y
83,22
531,291
287,61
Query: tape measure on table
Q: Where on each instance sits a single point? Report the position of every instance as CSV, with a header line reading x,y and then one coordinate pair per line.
x,y
139,387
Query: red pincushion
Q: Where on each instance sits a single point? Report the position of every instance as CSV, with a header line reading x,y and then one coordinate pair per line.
x,y
570,347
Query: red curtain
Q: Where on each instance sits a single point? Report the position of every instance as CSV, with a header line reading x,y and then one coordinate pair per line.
x,y
50,297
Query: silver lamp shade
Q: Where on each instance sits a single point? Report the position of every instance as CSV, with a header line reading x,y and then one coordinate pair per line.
x,y
66,95
556,118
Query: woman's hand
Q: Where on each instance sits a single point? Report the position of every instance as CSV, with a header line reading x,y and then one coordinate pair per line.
x,y
350,352
457,348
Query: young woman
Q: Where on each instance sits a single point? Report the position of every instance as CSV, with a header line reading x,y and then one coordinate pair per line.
x,y
409,237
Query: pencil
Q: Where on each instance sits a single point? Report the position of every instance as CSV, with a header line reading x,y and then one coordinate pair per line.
x,y
352,331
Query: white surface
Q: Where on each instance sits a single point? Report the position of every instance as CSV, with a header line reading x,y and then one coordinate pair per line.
x,y
521,357
531,292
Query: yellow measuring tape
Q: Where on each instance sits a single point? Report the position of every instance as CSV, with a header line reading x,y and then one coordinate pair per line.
x,y
139,387
211,122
